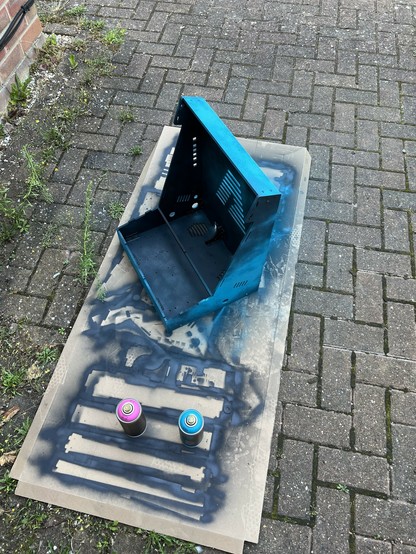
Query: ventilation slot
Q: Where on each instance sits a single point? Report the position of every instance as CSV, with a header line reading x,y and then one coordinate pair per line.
x,y
198,230
229,194
220,275
194,153
240,284
183,198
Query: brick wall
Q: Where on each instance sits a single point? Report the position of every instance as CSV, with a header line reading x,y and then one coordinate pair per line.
x,y
18,53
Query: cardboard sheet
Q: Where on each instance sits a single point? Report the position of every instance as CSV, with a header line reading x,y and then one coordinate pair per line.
x,y
227,366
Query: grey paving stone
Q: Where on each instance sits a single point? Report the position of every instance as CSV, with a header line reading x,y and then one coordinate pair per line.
x,y
281,538
269,494
336,380
313,237
399,200
367,135
355,235
295,479
368,206
360,158
322,100
353,336
353,469
403,549
331,532
315,425
364,545
323,303
392,154
339,268
305,343
369,297
404,451
376,178
50,266
69,165
403,407
386,371
109,162
63,307
298,388
19,306
369,419
344,117
342,183
332,211
274,125
401,289
384,262
401,330
310,275
386,519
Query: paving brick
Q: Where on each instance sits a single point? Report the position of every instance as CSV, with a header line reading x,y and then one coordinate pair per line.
x,y
369,298
364,545
342,183
353,336
403,407
346,62
315,425
369,419
368,206
313,237
49,268
367,135
318,189
305,343
356,157
320,162
274,125
401,330
359,236
336,380
107,161
18,307
392,154
396,231
367,78
309,120
281,538
386,519
389,94
331,532
344,117
62,308
353,469
383,262
332,211
295,479
329,304
386,372
399,200
309,275
401,289
69,165
298,388
332,138
339,268
322,100
375,178
356,96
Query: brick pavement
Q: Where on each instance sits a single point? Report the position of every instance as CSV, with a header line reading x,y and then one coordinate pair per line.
x,y
337,76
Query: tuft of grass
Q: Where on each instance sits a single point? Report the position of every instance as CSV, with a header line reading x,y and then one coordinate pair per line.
x,y
12,380
19,94
115,210
156,542
47,355
126,116
94,26
49,55
14,218
87,263
7,484
114,37
75,11
73,64
36,187
136,151
343,488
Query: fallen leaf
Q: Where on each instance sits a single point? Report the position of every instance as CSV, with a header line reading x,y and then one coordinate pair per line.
x,y
8,458
34,372
9,414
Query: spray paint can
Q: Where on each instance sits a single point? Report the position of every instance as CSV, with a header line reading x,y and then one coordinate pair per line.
x,y
191,427
130,414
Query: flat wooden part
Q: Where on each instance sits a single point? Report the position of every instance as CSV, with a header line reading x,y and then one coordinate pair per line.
x,y
227,366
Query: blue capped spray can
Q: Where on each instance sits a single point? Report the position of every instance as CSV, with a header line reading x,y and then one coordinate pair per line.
x,y
191,427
